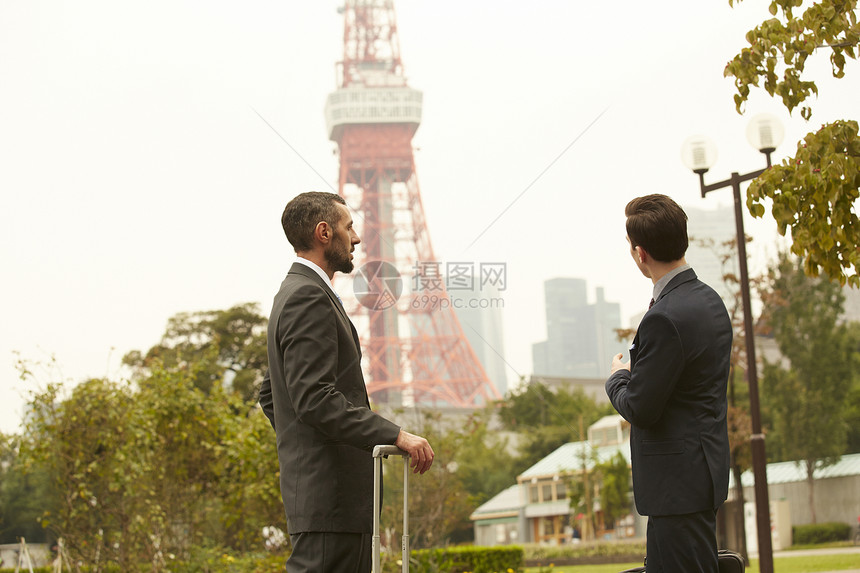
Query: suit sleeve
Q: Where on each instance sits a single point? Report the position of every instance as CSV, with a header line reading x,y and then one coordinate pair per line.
x,y
266,400
308,332
640,394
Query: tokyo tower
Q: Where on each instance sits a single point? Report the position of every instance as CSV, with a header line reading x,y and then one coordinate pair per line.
x,y
415,352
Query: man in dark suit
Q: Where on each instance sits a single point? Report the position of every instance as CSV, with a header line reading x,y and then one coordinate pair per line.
x,y
315,397
673,393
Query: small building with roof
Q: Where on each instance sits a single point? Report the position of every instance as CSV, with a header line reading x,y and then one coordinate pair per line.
x,y
499,520
537,509
836,491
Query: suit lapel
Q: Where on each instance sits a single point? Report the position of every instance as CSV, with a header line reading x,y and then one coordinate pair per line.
x,y
303,270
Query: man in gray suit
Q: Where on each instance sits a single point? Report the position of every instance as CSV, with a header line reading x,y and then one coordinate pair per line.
x,y
673,393
315,397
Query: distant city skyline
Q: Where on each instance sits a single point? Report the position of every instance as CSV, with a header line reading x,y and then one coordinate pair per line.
x,y
581,337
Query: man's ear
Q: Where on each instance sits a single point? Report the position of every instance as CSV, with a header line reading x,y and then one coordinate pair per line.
x,y
323,232
641,254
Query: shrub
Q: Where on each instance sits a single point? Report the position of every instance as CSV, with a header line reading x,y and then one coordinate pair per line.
x,y
469,558
50,569
219,560
813,533
586,551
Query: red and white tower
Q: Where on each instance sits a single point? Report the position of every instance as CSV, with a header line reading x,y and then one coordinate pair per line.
x,y
415,351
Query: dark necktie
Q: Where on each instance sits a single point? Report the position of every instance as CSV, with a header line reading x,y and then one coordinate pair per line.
x,y
650,304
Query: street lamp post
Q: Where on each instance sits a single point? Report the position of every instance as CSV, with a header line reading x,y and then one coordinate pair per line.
x,y
699,154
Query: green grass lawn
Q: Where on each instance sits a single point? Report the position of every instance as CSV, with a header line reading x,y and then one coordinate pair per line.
x,y
811,563
802,564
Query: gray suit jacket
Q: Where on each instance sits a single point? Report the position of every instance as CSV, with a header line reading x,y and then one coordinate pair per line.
x,y
315,397
674,397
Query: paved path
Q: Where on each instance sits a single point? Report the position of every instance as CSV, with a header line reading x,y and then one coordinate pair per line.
x,y
825,551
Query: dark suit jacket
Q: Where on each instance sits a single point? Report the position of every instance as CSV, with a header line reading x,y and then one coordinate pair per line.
x,y
315,397
674,396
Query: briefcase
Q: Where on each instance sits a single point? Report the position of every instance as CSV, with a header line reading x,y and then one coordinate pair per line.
x,y
728,561
380,452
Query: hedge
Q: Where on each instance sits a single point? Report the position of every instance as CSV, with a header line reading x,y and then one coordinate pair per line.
x,y
820,533
460,559
586,551
50,569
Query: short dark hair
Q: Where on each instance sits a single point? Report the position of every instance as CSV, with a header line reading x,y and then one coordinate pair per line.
x,y
304,212
659,225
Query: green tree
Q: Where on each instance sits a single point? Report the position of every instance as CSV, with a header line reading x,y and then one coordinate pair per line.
x,y
439,505
807,399
171,463
548,419
813,193
853,407
77,440
24,496
146,472
218,346
483,462
248,488
614,488
581,490
472,465
179,438
603,483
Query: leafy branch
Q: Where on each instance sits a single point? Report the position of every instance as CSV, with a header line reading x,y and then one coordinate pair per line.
x,y
813,196
792,39
812,193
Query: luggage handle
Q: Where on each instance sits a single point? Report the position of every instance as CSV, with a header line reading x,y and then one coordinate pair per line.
x,y
388,450
379,452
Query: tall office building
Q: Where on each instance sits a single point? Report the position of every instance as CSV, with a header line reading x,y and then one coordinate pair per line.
x,y
581,337
709,232
479,310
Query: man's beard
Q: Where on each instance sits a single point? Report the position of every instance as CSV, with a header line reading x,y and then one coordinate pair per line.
x,y
338,259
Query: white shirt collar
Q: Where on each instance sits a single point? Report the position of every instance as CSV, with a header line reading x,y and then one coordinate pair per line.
x,y
317,269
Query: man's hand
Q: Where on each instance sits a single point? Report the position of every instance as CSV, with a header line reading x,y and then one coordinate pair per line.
x,y
617,364
419,450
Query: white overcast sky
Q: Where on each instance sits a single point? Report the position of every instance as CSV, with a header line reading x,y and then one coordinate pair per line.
x,y
137,180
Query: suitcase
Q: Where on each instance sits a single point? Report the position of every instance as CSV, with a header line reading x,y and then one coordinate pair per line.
x,y
380,452
728,562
